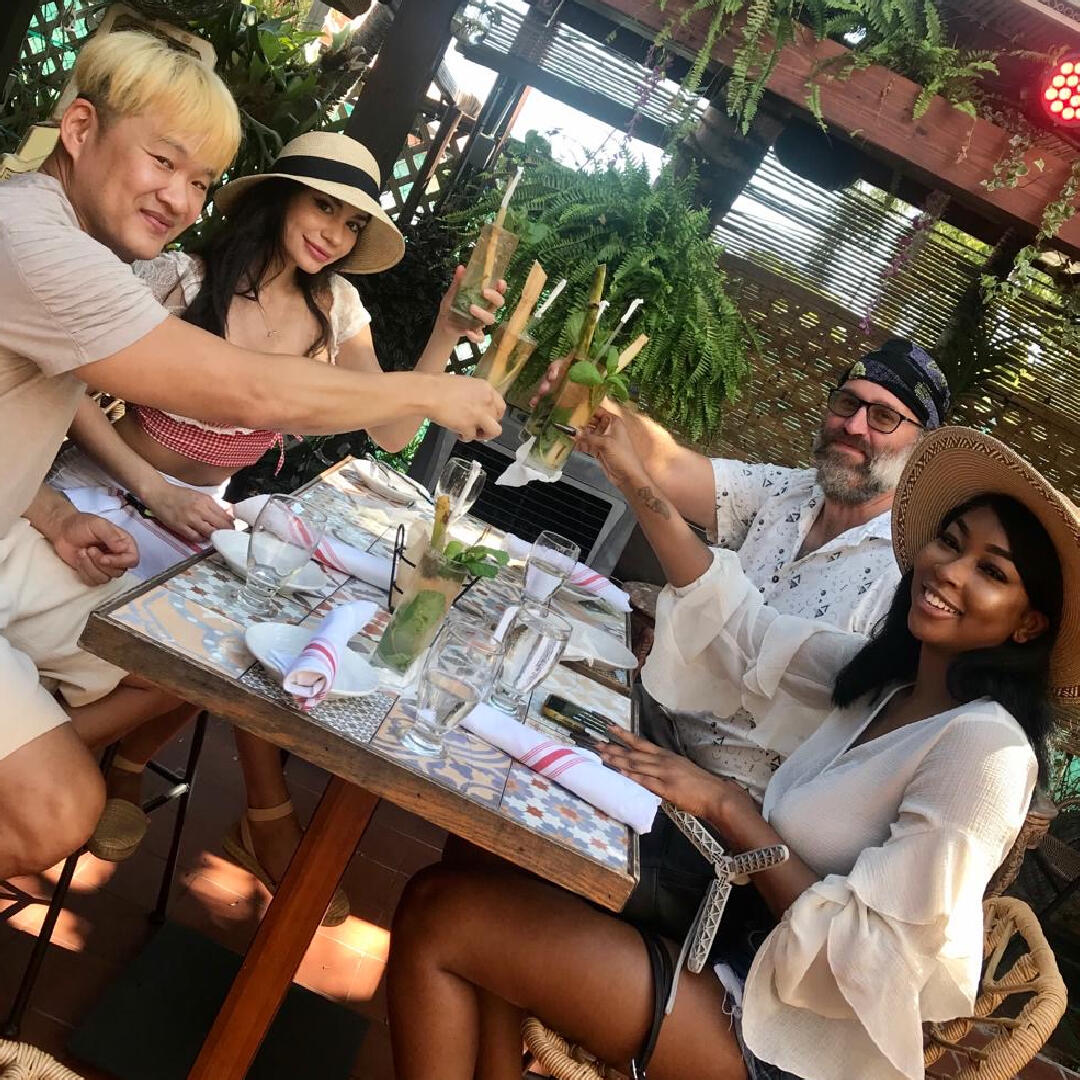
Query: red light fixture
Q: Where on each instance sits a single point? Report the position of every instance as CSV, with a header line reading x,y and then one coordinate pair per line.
x,y
1061,92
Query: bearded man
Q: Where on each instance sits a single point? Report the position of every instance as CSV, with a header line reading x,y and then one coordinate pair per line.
x,y
816,542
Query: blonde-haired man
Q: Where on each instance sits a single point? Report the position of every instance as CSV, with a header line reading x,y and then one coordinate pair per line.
x,y
139,147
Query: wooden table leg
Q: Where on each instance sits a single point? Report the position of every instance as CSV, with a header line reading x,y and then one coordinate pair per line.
x,y
285,932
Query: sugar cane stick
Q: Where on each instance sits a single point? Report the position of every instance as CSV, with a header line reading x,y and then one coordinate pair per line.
x,y
631,350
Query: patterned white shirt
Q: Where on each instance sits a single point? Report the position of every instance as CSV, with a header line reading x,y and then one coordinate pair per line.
x,y
764,512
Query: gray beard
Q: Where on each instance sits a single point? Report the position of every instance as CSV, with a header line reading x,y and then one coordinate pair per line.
x,y
851,484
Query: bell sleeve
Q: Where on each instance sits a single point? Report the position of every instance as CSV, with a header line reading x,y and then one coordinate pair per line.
x,y
859,962
719,647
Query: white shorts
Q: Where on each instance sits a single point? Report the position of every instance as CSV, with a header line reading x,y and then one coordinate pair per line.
x,y
43,610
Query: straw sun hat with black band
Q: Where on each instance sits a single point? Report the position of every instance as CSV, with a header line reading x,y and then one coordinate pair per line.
x,y
339,166
952,465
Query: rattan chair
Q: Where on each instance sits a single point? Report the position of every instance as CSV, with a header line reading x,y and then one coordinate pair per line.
x,y
21,1061
1016,1040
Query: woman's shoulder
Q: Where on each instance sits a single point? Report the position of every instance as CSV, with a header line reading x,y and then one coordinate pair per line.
x,y
172,275
347,311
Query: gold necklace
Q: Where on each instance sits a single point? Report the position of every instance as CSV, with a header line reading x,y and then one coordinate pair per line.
x,y
270,331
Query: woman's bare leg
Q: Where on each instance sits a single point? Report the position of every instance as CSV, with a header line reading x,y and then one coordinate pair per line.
x,y
133,702
140,746
264,781
584,973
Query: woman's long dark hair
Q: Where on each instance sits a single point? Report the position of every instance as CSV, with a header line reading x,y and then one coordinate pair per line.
x,y
1016,676
239,255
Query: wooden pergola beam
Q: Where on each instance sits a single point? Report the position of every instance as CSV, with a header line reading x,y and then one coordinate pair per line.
x,y
945,149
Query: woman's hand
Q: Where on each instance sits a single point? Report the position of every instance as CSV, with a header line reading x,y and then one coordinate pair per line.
x,y
677,779
192,515
549,380
445,324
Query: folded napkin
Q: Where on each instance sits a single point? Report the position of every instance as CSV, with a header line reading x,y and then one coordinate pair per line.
x,y
336,554
310,676
576,770
519,472
584,577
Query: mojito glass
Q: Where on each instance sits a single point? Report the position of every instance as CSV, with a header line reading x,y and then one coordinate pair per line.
x,y
436,583
487,264
504,360
573,406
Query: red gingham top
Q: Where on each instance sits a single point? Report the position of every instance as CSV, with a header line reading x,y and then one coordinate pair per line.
x,y
228,450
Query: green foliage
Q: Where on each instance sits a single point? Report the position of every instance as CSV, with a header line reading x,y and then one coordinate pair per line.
x,y
906,36
482,562
657,246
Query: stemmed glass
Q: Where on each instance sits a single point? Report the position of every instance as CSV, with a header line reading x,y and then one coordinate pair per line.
x,y
462,481
458,672
551,561
533,641
280,543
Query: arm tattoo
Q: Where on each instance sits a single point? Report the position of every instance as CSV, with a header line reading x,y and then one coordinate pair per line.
x,y
653,502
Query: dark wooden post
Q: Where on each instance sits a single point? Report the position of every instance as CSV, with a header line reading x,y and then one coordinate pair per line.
x,y
14,22
386,107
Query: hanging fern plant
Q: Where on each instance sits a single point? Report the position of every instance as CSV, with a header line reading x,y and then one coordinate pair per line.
x,y
657,246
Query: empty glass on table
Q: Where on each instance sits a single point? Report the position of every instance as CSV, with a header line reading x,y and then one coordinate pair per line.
x,y
551,561
533,642
457,674
280,543
462,481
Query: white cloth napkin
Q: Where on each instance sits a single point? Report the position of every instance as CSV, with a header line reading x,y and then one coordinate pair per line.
x,y
520,472
576,770
336,554
310,676
584,577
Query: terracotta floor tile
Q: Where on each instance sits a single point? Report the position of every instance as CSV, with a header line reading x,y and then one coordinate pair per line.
x,y
329,969
373,889
223,916
399,819
1042,1069
367,992
359,936
396,851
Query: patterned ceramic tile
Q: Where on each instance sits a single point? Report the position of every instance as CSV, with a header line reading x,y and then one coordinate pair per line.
x,y
181,624
212,584
355,718
544,807
581,690
469,766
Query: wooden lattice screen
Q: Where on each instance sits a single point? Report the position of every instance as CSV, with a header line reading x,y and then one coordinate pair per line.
x,y
807,341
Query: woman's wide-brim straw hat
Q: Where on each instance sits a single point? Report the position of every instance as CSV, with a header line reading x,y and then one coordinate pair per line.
x,y
339,166
952,465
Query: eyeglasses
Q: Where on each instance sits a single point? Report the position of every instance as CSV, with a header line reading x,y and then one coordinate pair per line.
x,y
882,418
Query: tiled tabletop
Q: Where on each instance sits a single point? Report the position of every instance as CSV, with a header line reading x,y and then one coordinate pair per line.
x,y
192,616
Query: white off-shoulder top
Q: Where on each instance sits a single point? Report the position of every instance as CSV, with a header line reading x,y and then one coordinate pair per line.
x,y
905,831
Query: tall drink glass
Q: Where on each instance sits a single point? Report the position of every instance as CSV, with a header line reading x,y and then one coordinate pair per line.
x,y
487,264
533,644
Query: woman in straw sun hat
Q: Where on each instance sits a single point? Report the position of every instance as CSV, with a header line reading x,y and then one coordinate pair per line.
x,y
896,812
268,280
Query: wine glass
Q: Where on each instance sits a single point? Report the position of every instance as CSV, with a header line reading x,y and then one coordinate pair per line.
x,y
458,672
280,543
551,561
462,481
532,644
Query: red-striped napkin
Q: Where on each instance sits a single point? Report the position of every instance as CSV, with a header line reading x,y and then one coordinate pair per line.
x,y
576,770
310,676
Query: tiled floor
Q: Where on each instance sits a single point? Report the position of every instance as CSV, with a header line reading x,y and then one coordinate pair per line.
x,y
104,923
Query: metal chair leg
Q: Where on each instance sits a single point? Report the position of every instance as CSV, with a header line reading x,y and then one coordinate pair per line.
x,y
14,1019
157,916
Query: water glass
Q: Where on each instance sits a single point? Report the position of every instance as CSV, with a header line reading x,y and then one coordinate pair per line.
x,y
551,561
280,543
533,643
462,481
458,672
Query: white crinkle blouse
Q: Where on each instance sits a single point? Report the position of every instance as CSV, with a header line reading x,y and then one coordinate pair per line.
x,y
905,831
